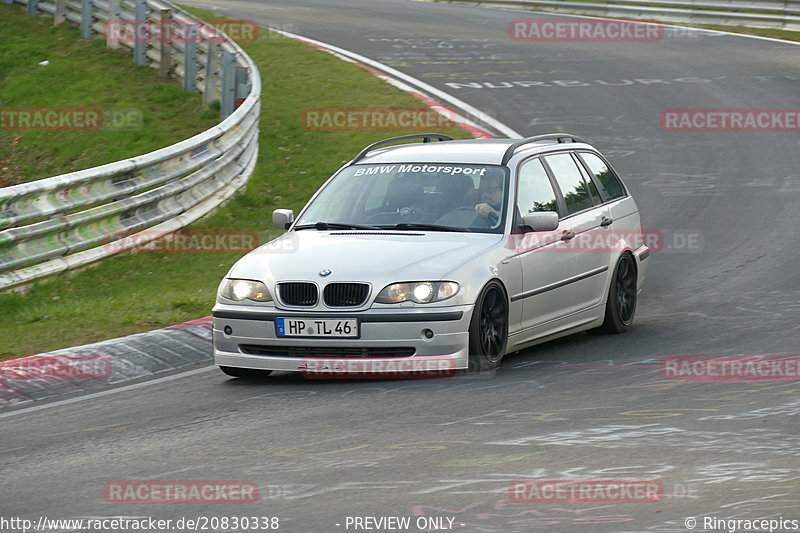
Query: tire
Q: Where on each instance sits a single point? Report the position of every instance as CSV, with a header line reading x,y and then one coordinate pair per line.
x,y
245,373
488,329
621,303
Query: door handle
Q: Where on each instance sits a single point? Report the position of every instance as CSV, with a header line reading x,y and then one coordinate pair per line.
x,y
605,222
567,235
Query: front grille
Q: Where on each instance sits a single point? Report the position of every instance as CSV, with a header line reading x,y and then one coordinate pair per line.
x,y
297,293
326,351
345,294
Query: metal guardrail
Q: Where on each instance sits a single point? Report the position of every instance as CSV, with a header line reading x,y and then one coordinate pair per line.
x,y
65,221
770,14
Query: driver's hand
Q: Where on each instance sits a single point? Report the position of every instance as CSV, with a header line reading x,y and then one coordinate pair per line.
x,y
485,210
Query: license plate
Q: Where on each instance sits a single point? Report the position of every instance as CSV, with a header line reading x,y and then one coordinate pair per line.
x,y
317,327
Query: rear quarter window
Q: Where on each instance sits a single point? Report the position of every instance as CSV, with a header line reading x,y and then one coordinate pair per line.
x,y
608,182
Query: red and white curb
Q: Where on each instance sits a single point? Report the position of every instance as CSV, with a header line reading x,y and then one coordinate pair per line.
x,y
95,366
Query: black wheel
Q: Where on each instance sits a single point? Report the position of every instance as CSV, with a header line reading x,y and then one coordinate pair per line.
x,y
621,304
246,373
488,330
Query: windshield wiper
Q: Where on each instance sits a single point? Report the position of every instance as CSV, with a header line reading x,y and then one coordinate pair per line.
x,y
432,227
322,226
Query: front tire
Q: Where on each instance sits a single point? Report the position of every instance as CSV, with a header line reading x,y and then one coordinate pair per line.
x,y
245,373
621,304
488,330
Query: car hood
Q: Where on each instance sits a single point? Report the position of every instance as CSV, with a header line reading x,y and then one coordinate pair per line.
x,y
371,256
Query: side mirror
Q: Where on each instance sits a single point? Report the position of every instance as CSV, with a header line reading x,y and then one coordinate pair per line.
x,y
541,220
282,218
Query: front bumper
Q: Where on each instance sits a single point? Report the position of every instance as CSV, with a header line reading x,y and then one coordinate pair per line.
x,y
385,334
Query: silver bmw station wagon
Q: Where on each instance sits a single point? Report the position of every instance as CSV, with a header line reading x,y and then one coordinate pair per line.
x,y
446,254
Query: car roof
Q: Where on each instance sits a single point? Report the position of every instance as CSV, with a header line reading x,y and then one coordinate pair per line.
x,y
470,151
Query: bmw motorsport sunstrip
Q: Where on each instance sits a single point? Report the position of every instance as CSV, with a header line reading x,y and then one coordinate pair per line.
x,y
457,250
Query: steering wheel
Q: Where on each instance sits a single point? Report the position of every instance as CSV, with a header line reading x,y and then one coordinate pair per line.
x,y
463,217
390,217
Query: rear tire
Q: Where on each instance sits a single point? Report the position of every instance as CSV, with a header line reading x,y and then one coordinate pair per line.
x,y
245,373
488,329
621,303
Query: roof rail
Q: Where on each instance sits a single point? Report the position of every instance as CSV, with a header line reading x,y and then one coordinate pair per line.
x,y
557,137
426,137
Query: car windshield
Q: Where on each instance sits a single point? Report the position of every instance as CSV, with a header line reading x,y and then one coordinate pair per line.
x,y
421,196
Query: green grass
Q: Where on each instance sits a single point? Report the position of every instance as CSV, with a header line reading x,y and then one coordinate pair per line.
x,y
83,73
786,35
132,293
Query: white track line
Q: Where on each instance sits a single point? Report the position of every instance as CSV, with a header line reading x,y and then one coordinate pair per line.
x,y
414,82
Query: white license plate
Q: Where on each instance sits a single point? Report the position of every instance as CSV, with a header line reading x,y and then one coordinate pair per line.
x,y
317,327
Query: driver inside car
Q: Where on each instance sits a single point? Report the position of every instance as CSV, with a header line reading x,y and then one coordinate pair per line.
x,y
491,198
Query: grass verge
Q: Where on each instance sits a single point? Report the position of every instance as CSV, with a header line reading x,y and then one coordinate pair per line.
x,y
132,293
150,113
785,35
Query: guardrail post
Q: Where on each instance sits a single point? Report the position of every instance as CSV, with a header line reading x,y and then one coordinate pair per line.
x,y
140,45
211,65
33,7
113,18
190,58
228,84
60,13
242,87
167,35
87,16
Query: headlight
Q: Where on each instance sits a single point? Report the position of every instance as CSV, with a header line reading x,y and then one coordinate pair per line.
x,y
243,289
421,292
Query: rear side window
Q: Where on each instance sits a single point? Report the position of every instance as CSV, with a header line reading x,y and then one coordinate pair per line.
x,y
596,198
609,183
569,179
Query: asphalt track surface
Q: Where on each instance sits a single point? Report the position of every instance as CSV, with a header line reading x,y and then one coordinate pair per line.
x,y
585,407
